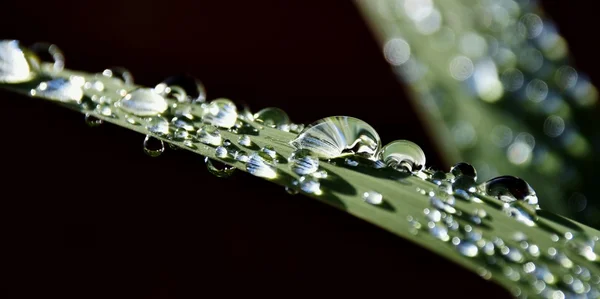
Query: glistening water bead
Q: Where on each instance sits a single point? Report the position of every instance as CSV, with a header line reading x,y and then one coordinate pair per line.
x,y
219,169
463,169
302,162
332,137
372,197
14,65
60,89
403,154
208,134
220,113
153,146
509,189
143,102
261,165
273,117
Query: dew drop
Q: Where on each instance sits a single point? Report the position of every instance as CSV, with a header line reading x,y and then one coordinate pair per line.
x,y
302,162
509,189
331,137
208,134
309,185
181,134
158,125
403,154
291,190
520,213
261,165
60,89
183,123
221,113
92,121
439,231
219,169
120,73
269,150
372,197
183,88
221,152
463,169
153,146
437,177
14,65
245,140
467,249
273,117
143,102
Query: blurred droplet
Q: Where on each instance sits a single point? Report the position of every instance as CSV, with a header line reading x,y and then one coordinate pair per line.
x,y
554,126
396,51
461,68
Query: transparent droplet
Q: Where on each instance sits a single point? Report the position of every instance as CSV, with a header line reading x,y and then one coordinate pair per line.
x,y
181,134
467,248
269,150
158,125
183,88
221,152
183,123
291,190
403,154
437,177
554,126
373,197
245,141
566,77
92,121
331,137
302,162
439,231
509,189
309,185
143,102
463,169
221,113
273,117
14,64
219,169
153,146
261,165
209,134
60,89
120,73
520,213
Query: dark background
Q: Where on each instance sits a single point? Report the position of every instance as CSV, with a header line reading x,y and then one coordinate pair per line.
x,y
86,214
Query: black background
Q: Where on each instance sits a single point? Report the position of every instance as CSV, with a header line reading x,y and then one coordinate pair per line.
x,y
86,214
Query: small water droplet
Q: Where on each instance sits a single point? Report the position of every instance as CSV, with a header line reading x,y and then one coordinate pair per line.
x,y
309,185
437,177
105,110
245,140
15,66
351,162
60,89
153,146
92,121
403,154
221,152
183,123
509,189
439,231
208,134
521,213
261,165
296,128
143,102
331,137
467,248
302,162
158,125
373,197
221,113
274,118
181,134
290,190
463,169
183,88
219,169
269,150
120,73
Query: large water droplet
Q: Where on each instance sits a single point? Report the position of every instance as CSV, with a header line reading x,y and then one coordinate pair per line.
x,y
261,165
143,102
403,153
219,169
302,162
331,137
372,197
509,189
221,113
60,89
273,117
208,134
221,152
153,146
14,65
92,121
158,125
463,169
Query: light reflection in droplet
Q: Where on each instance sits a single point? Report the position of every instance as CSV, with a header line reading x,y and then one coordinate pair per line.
x,y
531,25
554,126
566,77
519,153
461,68
537,90
396,51
430,24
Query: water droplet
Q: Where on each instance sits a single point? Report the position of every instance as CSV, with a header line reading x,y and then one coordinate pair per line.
x,y
331,137
269,150
437,177
143,102
372,197
509,189
467,249
290,190
104,109
296,128
463,169
181,134
92,121
273,117
245,141
158,125
208,134
221,113
183,88
309,185
183,123
261,165
219,169
462,186
14,65
60,89
221,152
153,146
439,231
302,162
403,154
